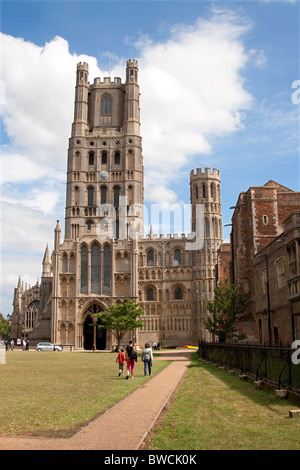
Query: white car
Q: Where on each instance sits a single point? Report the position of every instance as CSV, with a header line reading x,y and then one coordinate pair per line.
x,y
48,347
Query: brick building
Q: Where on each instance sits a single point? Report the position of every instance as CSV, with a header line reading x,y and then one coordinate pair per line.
x,y
265,261
277,286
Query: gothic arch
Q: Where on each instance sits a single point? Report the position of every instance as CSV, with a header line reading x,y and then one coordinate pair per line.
x,y
150,293
87,309
178,292
91,334
31,314
150,257
106,105
95,267
177,255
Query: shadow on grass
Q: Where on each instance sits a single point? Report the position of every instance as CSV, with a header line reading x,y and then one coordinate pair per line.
x,y
259,396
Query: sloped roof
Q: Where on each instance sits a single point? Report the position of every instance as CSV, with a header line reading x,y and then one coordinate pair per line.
x,y
273,184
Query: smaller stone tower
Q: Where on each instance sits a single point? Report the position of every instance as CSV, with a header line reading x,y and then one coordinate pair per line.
x,y
207,224
205,191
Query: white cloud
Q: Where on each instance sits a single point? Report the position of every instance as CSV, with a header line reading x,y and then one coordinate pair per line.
x,y
19,167
192,91
162,195
38,108
25,229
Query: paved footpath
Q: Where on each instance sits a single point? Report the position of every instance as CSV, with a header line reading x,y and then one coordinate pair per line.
x,y
139,410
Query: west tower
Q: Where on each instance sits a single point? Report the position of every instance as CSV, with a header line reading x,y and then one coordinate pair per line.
x,y
105,163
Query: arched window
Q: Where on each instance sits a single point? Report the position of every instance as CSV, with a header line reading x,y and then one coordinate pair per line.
x,y
213,191
103,194
106,105
91,158
116,196
149,294
84,270
106,269
31,314
95,269
203,191
150,258
104,158
90,197
130,195
178,293
117,158
76,196
177,257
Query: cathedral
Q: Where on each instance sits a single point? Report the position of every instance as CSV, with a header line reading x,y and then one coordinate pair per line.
x,y
105,257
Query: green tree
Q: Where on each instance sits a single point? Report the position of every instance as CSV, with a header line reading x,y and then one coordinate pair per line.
x,y
4,327
121,318
229,306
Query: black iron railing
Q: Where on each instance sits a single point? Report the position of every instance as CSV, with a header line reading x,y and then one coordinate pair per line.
x,y
269,363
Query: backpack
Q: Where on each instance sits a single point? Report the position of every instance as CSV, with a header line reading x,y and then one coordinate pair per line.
x,y
147,356
133,355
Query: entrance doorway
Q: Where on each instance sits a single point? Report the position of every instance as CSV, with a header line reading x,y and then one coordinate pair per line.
x,y
91,333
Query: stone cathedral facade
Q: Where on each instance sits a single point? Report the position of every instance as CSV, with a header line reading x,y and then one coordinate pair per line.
x,y
104,257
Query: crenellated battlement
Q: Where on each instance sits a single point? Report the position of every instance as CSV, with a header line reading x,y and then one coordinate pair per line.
x,y
132,63
205,187
83,66
207,173
107,80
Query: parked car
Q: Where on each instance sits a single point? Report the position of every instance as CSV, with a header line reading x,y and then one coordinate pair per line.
x,y
48,347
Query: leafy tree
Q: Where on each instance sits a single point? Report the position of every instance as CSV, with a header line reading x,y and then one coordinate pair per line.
x,y
4,327
229,306
121,318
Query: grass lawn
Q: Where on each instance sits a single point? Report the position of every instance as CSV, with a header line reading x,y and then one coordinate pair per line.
x,y
56,393
213,410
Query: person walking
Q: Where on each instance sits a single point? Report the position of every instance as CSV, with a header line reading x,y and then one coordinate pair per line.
x,y
147,358
121,361
131,359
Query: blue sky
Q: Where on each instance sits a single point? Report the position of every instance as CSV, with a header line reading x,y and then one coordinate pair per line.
x,y
216,91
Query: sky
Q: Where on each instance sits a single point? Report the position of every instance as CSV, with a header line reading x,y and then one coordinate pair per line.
x,y
220,88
